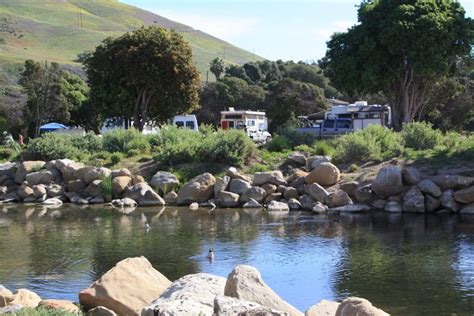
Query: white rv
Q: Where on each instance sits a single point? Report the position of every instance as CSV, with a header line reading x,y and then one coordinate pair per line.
x,y
254,123
186,121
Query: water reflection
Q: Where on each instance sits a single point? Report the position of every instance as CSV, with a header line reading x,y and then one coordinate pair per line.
x,y
404,264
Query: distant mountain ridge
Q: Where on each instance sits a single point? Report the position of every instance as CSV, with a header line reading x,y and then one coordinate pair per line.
x,y
58,30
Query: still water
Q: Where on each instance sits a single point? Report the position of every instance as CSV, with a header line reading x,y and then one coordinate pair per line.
x,y
407,265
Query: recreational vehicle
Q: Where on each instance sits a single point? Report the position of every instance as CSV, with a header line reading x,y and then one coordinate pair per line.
x,y
254,123
186,121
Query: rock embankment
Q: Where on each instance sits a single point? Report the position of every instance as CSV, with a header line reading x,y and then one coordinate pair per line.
x,y
314,184
134,287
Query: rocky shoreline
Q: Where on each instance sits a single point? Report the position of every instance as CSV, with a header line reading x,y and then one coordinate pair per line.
x,y
134,287
314,184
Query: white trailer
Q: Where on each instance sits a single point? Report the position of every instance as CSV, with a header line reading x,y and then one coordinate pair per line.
x,y
254,123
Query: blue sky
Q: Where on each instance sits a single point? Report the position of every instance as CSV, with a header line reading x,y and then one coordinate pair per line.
x,y
274,29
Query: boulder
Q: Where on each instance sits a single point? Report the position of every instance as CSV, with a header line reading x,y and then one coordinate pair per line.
x,y
24,298
93,189
272,197
76,186
358,306
275,206
325,174
246,283
448,201
234,174
350,187
290,193
224,305
137,179
68,168
364,194
339,198
452,181
124,172
298,173
5,295
26,167
323,308
119,184
80,173
306,202
24,192
144,195
171,198
467,209
314,161
351,208
318,193
256,193
101,311
294,204
272,177
297,158
239,186
164,181
465,196
252,204
126,288
410,176
414,201
221,185
299,185
39,177
67,306
8,169
281,189
431,203
228,199
269,188
393,207
429,187
319,207
388,181
55,190
199,189
192,294
96,174
39,191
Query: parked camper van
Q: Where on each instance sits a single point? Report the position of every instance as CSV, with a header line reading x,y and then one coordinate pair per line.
x,y
186,121
345,118
112,123
254,123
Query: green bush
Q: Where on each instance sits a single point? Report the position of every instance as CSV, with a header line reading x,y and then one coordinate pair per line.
x,y
89,142
279,143
120,140
106,188
51,146
115,158
178,145
421,136
6,153
374,143
323,148
133,153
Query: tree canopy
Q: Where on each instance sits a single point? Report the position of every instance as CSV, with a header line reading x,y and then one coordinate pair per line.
x,y
399,47
147,75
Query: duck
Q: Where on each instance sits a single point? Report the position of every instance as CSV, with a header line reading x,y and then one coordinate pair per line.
x,y
210,255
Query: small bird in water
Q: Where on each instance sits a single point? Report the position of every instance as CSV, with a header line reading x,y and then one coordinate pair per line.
x,y
147,227
210,255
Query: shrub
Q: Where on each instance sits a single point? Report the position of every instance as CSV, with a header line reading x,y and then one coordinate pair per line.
x,y
323,148
420,136
133,152
120,140
177,146
106,187
296,138
89,142
51,146
6,153
115,158
279,143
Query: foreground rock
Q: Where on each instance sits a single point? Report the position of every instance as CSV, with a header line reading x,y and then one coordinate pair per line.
x,y
358,306
388,181
199,189
275,206
246,283
224,305
64,305
126,288
325,174
144,195
192,294
323,308
23,297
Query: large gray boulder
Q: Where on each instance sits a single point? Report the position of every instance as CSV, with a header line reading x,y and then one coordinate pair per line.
x,y
448,201
465,196
273,177
228,199
199,189
39,177
297,158
256,193
388,181
222,184
93,189
96,174
339,198
431,203
76,186
164,180
318,193
453,181
144,195
356,306
192,294
414,201
26,167
275,206
119,184
290,193
246,283
306,202
325,174
410,176
315,161
429,187
239,186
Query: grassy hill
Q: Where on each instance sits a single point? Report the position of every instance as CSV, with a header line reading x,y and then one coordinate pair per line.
x,y
58,30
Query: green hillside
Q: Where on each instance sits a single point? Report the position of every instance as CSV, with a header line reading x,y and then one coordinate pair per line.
x,y
58,30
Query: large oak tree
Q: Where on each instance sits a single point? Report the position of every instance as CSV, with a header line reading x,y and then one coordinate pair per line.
x,y
148,75
400,47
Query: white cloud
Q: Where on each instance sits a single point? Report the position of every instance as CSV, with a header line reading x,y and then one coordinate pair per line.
x,y
226,28
325,32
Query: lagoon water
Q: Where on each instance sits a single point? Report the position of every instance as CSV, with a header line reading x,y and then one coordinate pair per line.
x,y
404,264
